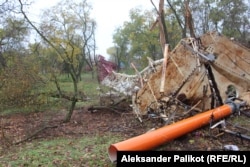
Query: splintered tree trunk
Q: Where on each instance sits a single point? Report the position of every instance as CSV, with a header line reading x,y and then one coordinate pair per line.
x,y
163,28
189,19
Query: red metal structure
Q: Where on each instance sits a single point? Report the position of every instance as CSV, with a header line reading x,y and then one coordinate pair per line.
x,y
104,67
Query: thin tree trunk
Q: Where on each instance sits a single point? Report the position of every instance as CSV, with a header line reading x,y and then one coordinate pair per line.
x,y
69,114
74,98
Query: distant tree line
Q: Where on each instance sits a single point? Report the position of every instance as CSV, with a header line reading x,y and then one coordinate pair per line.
x,y
135,40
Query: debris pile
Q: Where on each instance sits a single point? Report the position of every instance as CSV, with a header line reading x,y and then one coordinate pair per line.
x,y
200,74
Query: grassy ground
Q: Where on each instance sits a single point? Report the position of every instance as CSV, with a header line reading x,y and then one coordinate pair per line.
x,y
90,150
87,86
84,151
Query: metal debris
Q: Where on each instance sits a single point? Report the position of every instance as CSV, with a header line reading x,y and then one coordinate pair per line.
x,y
198,77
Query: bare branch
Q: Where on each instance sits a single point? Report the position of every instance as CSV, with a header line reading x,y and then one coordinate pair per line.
x,y
36,29
155,7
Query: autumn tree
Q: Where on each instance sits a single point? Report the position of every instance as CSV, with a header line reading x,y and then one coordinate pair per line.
x,y
19,76
68,31
12,38
113,53
120,52
135,41
69,27
231,17
182,18
13,32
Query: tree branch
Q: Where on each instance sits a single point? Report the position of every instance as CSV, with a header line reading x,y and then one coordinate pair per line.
x,y
36,29
34,134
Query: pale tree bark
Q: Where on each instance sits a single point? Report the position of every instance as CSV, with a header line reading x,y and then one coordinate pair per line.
x,y
161,23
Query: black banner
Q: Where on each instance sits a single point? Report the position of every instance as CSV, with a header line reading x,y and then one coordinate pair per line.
x,y
174,158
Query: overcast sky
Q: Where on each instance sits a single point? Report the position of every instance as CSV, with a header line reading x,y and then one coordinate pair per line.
x,y
109,14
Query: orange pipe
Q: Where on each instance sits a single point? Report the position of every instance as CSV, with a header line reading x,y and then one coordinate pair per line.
x,y
167,133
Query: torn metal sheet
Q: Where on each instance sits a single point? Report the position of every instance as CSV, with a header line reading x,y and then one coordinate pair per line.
x,y
200,75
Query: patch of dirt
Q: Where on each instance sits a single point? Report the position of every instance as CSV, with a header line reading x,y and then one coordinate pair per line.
x,y
20,128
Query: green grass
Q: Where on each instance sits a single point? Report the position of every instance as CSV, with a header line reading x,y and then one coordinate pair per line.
x,y
87,86
68,152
